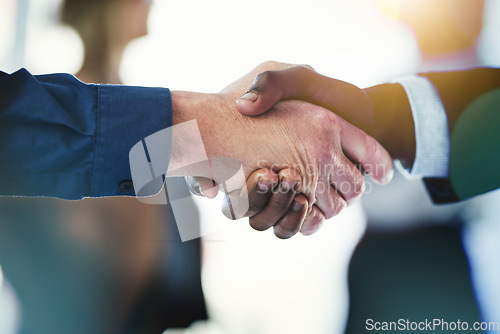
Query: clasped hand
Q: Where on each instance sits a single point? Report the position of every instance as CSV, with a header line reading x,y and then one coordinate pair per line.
x,y
303,163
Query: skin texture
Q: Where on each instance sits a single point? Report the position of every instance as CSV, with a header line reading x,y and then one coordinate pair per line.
x,y
316,143
274,141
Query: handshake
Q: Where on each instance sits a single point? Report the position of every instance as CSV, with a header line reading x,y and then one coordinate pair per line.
x,y
302,158
301,141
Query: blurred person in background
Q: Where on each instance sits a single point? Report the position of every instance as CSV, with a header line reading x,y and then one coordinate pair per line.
x,y
110,265
105,28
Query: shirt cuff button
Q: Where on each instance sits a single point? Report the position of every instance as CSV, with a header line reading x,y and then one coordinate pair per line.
x,y
126,186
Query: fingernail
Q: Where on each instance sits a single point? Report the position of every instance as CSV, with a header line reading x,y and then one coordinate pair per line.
x,y
388,177
297,206
250,96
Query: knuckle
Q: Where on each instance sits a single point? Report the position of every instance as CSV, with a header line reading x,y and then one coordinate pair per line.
x,y
331,213
272,65
377,160
341,205
308,67
302,200
269,63
358,187
326,122
373,149
337,206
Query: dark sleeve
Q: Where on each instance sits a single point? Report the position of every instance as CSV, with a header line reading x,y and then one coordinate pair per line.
x,y
441,190
474,152
63,138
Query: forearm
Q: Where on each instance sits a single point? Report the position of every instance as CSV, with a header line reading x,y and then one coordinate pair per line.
x,y
393,124
458,89
213,114
192,116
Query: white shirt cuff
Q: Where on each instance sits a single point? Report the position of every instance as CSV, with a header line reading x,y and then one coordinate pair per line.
x,y
431,129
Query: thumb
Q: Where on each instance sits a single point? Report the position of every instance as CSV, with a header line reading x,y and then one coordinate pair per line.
x,y
303,83
270,87
260,98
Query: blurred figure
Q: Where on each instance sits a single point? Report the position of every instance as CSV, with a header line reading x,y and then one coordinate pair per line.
x,y
447,32
106,28
111,265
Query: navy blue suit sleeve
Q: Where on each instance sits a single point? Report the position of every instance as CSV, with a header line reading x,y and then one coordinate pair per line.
x,y
63,138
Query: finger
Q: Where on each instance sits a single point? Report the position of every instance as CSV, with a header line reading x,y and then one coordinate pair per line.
x,y
313,221
260,185
329,200
366,151
202,186
347,180
302,83
292,221
280,201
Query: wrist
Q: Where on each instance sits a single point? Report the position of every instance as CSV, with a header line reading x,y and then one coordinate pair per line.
x,y
186,106
393,126
188,117
212,113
